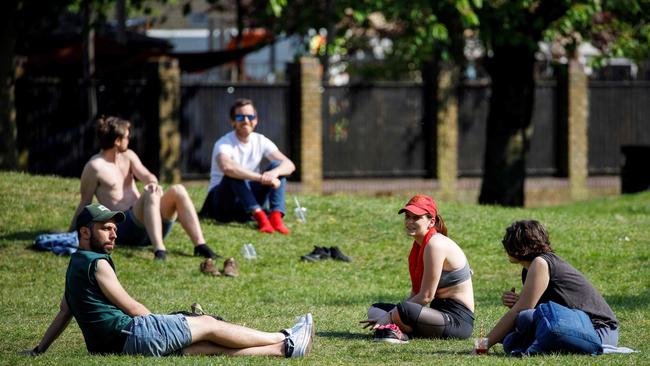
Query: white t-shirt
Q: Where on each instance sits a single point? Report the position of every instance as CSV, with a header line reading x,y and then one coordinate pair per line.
x,y
249,155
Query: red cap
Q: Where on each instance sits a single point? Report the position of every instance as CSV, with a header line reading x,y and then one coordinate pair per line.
x,y
421,204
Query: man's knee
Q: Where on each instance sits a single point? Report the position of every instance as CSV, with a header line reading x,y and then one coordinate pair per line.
x,y
150,198
178,190
202,325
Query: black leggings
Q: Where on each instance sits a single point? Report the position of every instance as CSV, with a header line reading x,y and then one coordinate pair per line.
x,y
446,318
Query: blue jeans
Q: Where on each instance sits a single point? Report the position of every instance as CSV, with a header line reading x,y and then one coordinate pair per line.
x,y
524,333
235,199
157,335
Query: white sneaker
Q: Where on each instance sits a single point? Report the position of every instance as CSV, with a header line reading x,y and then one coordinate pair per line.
x,y
299,343
300,321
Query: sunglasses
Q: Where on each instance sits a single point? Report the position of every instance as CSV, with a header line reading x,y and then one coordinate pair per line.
x,y
241,117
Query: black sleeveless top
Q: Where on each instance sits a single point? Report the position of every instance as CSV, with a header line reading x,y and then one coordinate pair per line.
x,y
568,287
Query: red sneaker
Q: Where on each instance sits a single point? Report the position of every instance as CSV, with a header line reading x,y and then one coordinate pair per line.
x,y
276,221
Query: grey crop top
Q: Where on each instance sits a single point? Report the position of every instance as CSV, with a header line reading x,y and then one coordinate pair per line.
x,y
452,278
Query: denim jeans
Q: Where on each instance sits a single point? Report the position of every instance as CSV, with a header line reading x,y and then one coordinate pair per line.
x,y
524,333
235,199
157,335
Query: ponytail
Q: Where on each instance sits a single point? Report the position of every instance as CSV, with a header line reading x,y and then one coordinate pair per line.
x,y
440,225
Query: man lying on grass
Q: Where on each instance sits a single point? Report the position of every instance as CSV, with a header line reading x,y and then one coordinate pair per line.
x,y
113,322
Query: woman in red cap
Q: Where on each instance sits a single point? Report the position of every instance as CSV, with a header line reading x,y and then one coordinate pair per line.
x,y
440,277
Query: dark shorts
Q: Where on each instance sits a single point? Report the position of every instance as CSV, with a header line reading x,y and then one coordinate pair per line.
x,y
132,232
157,335
459,320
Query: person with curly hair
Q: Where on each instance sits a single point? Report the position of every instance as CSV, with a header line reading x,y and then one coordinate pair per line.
x,y
546,277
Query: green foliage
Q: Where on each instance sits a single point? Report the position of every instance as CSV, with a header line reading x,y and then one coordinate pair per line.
x,y
276,6
607,239
425,30
105,8
617,28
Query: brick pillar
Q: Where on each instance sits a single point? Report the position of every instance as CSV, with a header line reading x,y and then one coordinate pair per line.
x,y
169,114
447,131
578,111
311,125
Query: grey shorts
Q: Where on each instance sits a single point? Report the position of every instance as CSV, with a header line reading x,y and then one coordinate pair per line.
x,y
157,335
132,232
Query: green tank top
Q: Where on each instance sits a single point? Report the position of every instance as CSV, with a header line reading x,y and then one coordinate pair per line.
x,y
101,322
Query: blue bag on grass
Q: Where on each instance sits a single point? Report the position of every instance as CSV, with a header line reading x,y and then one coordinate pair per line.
x,y
559,329
58,243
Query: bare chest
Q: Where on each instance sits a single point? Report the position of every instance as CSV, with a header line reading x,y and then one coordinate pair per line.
x,y
116,177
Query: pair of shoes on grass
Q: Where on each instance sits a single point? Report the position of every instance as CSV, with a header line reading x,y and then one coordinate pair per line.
x,y
321,253
229,267
300,338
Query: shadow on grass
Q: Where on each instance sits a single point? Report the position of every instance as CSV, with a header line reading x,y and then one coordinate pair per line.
x,y
26,235
250,224
363,299
11,239
343,335
629,302
616,302
131,251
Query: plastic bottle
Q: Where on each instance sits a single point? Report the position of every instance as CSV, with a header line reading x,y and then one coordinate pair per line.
x,y
248,251
301,212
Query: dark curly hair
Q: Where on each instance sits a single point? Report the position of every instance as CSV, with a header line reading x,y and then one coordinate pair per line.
x,y
526,239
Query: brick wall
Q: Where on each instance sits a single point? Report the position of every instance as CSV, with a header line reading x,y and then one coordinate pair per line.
x,y
311,148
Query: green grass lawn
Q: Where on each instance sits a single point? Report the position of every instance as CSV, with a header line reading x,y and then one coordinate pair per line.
x,y
607,239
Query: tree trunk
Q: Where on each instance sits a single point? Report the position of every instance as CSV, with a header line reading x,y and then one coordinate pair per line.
x,y
509,125
88,58
239,38
8,148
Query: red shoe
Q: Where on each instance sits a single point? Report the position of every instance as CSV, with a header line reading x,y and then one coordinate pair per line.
x,y
276,221
263,222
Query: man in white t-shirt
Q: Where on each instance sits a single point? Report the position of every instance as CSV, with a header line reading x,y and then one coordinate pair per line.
x,y
240,187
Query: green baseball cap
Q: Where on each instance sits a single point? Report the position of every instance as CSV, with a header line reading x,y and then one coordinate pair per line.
x,y
97,213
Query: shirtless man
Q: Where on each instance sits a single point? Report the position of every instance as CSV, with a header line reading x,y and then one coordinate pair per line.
x,y
110,176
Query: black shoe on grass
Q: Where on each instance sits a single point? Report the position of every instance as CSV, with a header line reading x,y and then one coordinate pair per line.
x,y
337,254
319,253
